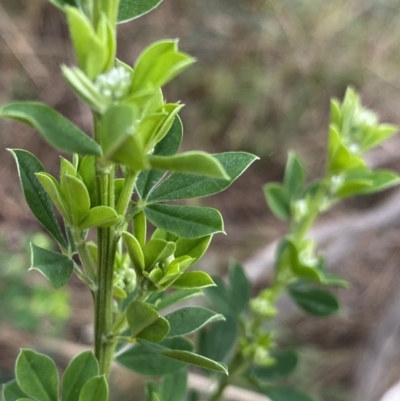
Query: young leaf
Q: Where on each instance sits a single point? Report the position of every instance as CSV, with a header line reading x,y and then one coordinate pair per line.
x,y
36,198
76,198
56,267
313,300
135,251
193,280
173,387
185,356
199,163
170,144
145,322
156,250
99,216
55,128
185,221
285,363
131,9
141,360
240,287
37,375
12,392
277,200
186,186
81,368
195,248
95,389
188,320
294,175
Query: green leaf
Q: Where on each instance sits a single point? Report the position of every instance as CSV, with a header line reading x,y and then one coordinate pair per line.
x,y
95,389
221,297
285,394
131,9
176,297
240,287
186,186
378,180
188,320
185,221
158,64
285,363
141,360
25,399
37,375
56,267
277,200
193,280
185,356
12,392
52,187
170,144
76,198
145,322
294,176
157,250
195,248
81,368
174,385
36,198
217,340
199,163
313,300
135,251
114,128
99,216
55,128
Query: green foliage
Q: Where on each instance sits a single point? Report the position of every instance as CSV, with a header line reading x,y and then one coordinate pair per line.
x,y
130,9
57,268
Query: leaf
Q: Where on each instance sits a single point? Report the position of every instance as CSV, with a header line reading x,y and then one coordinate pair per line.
x,y
294,176
37,375
285,394
81,368
221,297
170,144
313,300
240,287
277,200
99,216
217,340
135,251
141,360
145,322
76,198
285,363
185,221
193,280
186,186
36,198
185,356
199,163
195,248
56,267
157,250
55,128
12,392
174,385
131,9
95,389
188,320
176,297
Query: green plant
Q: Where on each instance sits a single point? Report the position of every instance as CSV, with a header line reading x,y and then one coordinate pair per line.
x,y
116,184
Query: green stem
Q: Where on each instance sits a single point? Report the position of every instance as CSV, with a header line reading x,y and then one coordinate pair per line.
x,y
126,193
85,256
107,245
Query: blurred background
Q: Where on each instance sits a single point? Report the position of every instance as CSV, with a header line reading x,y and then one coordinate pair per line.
x,y
265,73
